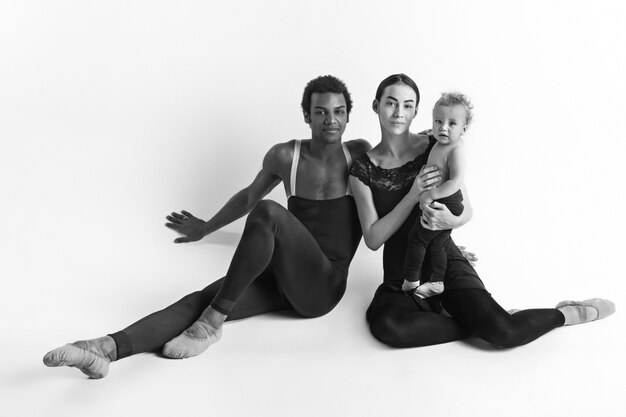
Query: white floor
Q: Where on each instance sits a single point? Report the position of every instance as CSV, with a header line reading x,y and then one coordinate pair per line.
x,y
276,365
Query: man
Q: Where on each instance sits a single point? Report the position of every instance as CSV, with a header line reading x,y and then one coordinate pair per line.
x,y
287,259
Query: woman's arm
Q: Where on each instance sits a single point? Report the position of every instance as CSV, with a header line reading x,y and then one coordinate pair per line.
x,y
377,230
436,216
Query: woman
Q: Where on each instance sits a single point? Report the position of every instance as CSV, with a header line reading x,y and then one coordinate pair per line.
x,y
387,182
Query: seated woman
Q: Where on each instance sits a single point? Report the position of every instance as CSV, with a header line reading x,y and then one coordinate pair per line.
x,y
387,183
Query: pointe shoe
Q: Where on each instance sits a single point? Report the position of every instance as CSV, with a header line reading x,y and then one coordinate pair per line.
x,y
604,308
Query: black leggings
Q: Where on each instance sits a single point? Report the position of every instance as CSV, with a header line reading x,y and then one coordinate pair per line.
x,y
308,279
277,265
399,320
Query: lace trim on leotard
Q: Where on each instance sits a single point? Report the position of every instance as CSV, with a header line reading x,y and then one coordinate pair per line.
x,y
386,179
389,179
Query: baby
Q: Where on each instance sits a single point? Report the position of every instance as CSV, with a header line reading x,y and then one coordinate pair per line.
x,y
452,115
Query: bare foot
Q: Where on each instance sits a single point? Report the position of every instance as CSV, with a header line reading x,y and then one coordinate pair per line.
x,y
410,285
428,289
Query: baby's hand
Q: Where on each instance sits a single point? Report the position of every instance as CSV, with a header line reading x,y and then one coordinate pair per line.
x,y
425,200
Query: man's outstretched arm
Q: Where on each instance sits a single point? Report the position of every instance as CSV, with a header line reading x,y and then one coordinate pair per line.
x,y
193,228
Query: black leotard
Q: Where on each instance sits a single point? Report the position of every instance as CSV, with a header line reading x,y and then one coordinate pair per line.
x,y
402,320
388,187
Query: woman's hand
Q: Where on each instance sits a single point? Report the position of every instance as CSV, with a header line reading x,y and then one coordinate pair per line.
x,y
470,256
187,225
428,178
436,216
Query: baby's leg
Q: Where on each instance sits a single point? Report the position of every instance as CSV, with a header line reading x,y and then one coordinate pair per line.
x,y
437,250
419,239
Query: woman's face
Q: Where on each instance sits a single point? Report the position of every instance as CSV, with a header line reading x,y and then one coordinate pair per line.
x,y
396,108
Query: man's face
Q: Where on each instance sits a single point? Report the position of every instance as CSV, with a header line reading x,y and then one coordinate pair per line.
x,y
328,117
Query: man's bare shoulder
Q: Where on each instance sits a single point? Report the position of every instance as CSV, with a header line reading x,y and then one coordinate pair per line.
x,y
279,157
281,152
357,147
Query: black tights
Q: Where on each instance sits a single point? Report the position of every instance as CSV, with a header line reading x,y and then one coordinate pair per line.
x,y
399,320
153,331
277,265
308,279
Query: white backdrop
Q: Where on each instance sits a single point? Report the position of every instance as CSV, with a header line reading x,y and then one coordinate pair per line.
x,y
113,114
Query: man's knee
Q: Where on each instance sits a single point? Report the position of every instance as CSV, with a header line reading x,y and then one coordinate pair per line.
x,y
266,211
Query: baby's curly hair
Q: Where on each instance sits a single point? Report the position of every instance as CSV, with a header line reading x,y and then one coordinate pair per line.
x,y
454,98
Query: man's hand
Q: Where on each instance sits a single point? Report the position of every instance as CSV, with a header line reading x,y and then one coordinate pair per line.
x,y
187,225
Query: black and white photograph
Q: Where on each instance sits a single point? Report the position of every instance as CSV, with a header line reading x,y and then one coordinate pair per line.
x,y
329,208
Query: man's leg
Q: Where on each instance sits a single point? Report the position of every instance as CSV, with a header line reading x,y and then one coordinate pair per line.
x,y
303,274
150,333
153,331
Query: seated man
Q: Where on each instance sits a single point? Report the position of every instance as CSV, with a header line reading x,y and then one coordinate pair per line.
x,y
287,259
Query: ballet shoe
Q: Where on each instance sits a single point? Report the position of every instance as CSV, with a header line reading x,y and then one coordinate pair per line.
x,y
193,341
83,355
603,308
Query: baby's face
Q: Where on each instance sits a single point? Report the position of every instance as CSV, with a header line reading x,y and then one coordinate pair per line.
x,y
448,123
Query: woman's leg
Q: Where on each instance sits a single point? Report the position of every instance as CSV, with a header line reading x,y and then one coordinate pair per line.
x,y
302,272
480,314
399,320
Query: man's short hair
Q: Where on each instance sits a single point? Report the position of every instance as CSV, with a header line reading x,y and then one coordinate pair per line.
x,y
324,84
